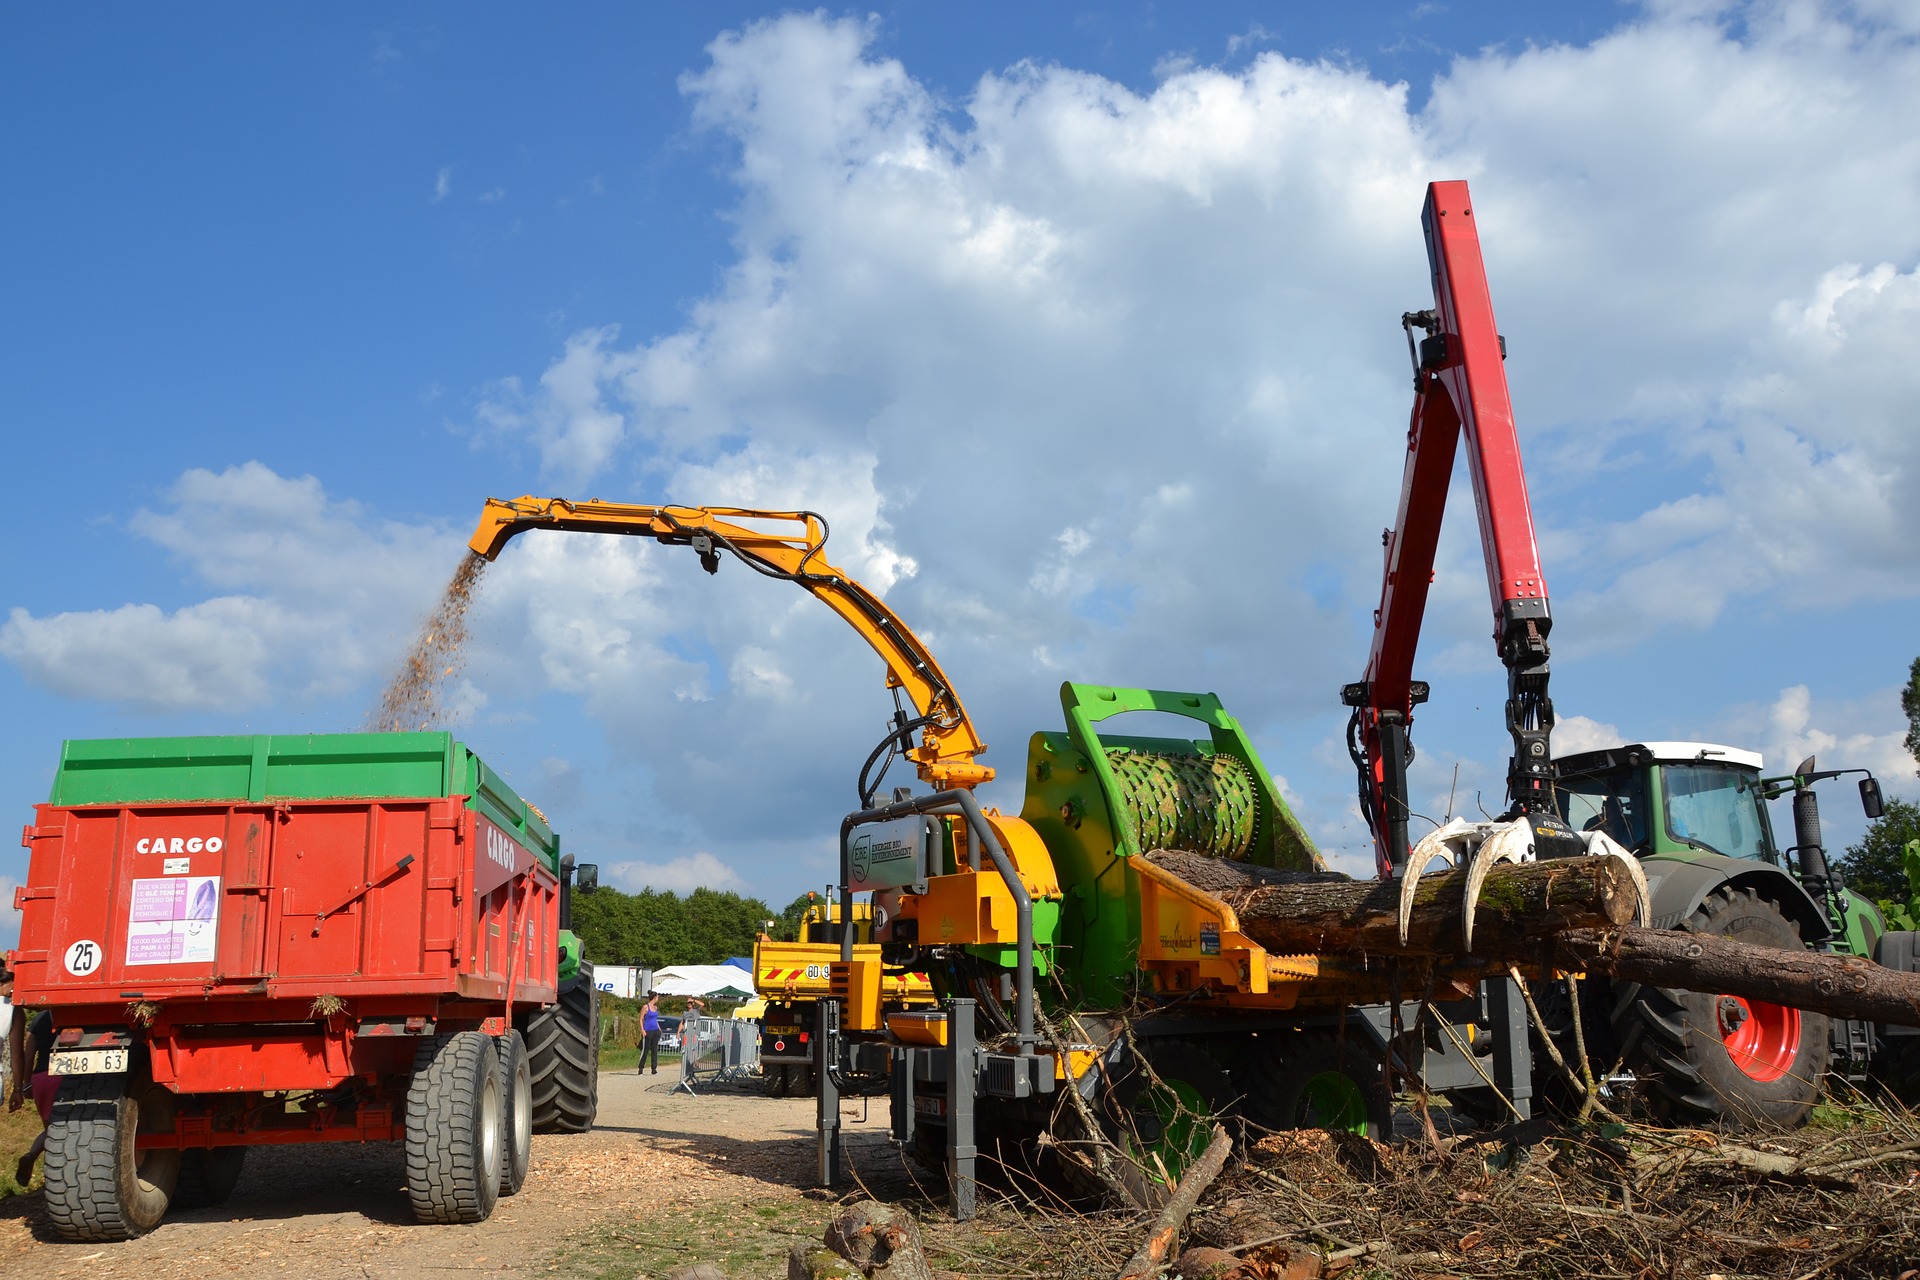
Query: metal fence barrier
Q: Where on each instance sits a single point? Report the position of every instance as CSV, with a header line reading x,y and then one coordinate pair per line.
x,y
717,1050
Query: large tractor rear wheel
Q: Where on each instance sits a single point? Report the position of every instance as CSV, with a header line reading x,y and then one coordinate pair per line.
x,y
1715,1059
454,1129
99,1186
1316,1080
563,1056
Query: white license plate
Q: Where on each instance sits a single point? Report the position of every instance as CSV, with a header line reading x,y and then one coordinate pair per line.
x,y
88,1062
936,1107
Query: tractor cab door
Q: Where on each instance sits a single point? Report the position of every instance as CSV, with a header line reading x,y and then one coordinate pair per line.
x,y
1611,800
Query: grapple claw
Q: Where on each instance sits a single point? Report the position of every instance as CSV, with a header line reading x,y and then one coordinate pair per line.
x,y
1508,842
1443,843
1602,845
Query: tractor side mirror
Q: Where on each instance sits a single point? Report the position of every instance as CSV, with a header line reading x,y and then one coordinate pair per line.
x,y
587,877
1870,797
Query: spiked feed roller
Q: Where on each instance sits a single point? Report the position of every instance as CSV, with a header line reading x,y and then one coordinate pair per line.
x,y
1206,804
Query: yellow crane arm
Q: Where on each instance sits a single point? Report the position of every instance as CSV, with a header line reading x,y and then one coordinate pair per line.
x,y
948,743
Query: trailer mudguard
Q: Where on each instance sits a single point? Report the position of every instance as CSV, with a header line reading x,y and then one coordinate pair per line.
x,y
1679,885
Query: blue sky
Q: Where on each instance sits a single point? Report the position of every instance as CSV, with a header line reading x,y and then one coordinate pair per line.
x,y
1080,325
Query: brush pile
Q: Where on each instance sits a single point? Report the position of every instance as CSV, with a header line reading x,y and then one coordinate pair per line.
x,y
1612,1200
1840,1198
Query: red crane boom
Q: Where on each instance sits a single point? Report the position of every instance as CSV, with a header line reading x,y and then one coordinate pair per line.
x,y
1460,388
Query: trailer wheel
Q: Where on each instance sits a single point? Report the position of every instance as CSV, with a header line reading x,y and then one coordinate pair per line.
x,y
99,1186
563,1057
1158,1105
516,1098
1708,1059
1315,1080
208,1176
454,1127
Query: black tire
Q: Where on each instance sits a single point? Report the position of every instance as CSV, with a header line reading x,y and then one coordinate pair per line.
x,y
774,1079
1896,1068
929,1147
98,1186
563,1057
454,1111
1317,1080
208,1176
1677,1042
516,1112
801,1082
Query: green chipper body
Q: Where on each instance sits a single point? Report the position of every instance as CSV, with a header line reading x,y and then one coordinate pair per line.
x,y
1137,987
1099,800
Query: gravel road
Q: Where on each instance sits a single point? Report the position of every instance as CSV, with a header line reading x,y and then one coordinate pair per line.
x,y
335,1210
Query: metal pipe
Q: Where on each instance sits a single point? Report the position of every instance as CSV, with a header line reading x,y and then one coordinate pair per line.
x,y
963,802
1023,909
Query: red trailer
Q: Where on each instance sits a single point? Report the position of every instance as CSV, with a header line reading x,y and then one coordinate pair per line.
x,y
313,939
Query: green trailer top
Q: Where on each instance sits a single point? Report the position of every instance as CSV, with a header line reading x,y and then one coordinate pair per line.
x,y
257,768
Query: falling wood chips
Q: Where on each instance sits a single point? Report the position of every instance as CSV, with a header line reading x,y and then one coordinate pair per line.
x,y
413,698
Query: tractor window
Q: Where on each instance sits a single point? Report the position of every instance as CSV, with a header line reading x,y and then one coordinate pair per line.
x,y
1717,808
1614,802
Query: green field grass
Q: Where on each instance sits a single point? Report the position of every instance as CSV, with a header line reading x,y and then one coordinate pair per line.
x,y
17,1132
741,1239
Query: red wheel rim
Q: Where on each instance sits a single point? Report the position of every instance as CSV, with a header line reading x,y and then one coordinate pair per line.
x,y
1762,1039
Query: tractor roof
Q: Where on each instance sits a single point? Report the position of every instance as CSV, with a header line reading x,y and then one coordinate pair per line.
x,y
1671,752
1711,751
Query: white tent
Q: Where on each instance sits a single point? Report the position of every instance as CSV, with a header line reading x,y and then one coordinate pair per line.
x,y
723,980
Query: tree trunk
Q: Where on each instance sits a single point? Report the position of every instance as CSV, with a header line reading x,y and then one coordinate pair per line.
x,y
1293,913
1839,986
881,1241
1567,912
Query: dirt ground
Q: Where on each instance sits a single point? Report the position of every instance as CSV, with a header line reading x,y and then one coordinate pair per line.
x,y
664,1179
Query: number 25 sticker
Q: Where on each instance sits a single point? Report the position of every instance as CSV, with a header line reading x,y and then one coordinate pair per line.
x,y
83,957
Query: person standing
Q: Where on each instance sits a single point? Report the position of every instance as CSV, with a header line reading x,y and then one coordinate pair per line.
x,y
32,1066
6,1025
650,1028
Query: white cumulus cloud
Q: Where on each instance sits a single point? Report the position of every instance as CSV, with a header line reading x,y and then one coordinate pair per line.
x,y
680,875
1108,383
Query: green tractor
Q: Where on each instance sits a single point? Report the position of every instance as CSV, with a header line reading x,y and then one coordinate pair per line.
x,y
1696,816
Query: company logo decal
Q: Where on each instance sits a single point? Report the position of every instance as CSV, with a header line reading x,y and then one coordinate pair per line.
x,y
178,844
500,850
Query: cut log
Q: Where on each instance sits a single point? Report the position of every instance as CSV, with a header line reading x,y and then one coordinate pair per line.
x,y
817,1262
1151,1258
881,1241
1568,913
1291,913
1839,986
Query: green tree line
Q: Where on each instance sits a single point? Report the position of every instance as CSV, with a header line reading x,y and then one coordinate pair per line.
x,y
655,928
1879,866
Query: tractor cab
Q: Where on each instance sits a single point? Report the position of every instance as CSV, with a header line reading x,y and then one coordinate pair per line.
x,y
1678,799
1705,805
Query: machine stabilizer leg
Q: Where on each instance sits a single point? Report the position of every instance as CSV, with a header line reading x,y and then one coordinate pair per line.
x,y
826,1044
963,1082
